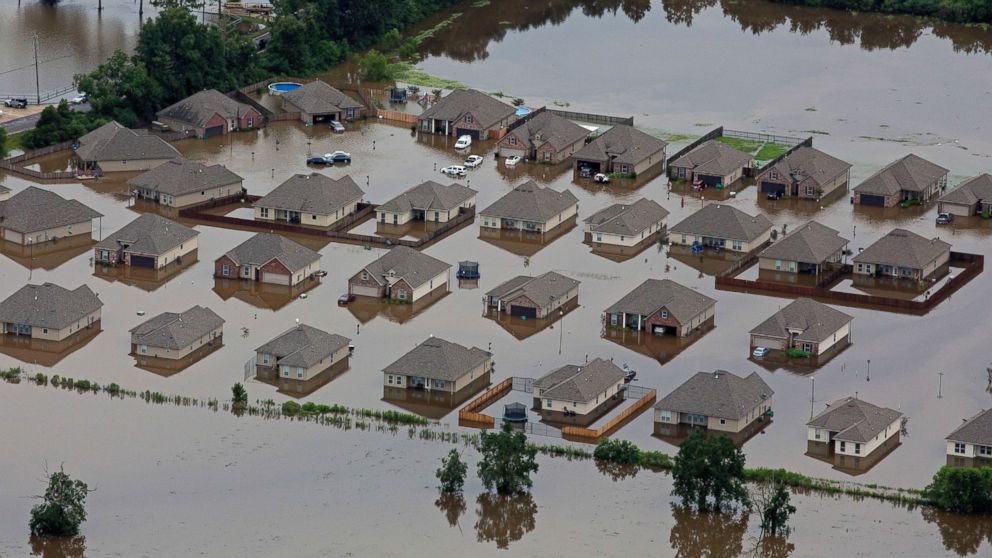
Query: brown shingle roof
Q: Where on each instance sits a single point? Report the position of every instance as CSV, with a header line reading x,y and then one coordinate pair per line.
x,y
723,221
713,158
530,202
545,127
265,247
627,219
174,331
33,209
902,248
541,290
814,321
652,295
148,234
429,196
911,173
808,162
623,144
580,384
416,268
971,191
313,193
49,305
486,110
114,142
303,346
317,97
717,394
200,107
182,176
976,430
810,243
854,420
438,359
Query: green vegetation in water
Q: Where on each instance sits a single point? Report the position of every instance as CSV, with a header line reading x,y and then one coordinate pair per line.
x,y
708,473
906,204
62,509
817,132
451,474
810,109
428,33
962,489
793,352
480,3
671,137
506,461
960,11
408,73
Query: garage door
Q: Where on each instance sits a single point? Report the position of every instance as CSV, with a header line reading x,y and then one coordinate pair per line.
x,y
275,278
474,134
507,152
709,180
523,311
772,188
662,330
956,209
362,290
213,131
876,201
142,261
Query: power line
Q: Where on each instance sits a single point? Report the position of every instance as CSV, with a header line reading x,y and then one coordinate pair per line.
x,y
40,62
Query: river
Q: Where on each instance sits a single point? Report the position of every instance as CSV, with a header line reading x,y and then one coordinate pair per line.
x,y
869,89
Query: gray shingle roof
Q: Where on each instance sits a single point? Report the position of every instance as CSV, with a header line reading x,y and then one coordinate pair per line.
x,y
313,193
170,330
911,173
530,202
902,248
717,394
4,189
149,234
971,191
541,290
484,109
652,295
49,305
627,219
438,359
624,144
33,209
723,221
429,196
114,142
854,420
713,158
181,176
814,321
200,107
976,430
579,383
264,247
810,243
303,346
545,127
809,162
416,268
317,97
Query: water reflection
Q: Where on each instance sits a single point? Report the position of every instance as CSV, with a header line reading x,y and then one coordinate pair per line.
x,y
144,278
961,534
452,506
504,519
262,295
715,535
46,255
617,471
44,352
58,547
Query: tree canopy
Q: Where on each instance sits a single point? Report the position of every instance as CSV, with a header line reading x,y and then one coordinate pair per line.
x,y
962,489
59,123
507,461
709,472
63,507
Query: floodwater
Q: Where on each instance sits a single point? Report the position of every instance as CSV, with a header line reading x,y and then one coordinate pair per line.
x,y
867,92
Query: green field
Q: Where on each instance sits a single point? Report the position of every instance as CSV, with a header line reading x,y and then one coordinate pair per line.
x,y
760,150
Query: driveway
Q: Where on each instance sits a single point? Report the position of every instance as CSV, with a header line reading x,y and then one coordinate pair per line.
x,y
30,121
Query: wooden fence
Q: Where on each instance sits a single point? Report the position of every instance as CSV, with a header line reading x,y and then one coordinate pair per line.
x,y
14,164
581,434
283,116
470,412
396,116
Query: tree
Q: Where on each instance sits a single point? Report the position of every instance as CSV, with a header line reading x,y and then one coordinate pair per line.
x,y
239,398
773,501
392,40
961,489
121,90
375,67
452,473
63,507
709,472
59,123
507,461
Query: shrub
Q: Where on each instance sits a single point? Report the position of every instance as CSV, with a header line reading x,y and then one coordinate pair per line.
x,y
41,379
375,67
291,408
985,214
451,475
63,509
961,489
796,353
617,451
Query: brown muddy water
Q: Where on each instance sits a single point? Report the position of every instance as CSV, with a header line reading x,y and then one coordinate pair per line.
x,y
279,487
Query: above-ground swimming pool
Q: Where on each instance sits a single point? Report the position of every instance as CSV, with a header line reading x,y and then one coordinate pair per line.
x,y
281,87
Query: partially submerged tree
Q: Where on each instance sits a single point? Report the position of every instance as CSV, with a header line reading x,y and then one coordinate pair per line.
x,y
239,398
451,475
961,489
507,461
709,473
773,503
63,507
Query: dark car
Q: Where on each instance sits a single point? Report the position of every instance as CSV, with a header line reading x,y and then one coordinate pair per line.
x,y
318,160
346,299
774,195
15,102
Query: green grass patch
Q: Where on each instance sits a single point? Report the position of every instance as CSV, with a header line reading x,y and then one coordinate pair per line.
x,y
741,144
770,151
428,33
408,73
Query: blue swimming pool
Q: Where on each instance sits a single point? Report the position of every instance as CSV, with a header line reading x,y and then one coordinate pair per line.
x,y
281,87
522,111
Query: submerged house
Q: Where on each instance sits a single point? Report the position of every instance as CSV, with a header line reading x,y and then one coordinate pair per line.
x,y
49,311
803,324
722,226
811,248
269,258
542,136
712,163
971,197
209,113
905,254
807,172
626,224
181,183
661,306
467,112
33,216
427,201
437,364
318,101
310,199
717,401
149,241
301,353
112,147
970,444
576,393
401,274
531,208
533,297
911,178
621,149
174,336
854,432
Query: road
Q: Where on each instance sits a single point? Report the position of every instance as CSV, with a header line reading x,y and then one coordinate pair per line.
x,y
28,122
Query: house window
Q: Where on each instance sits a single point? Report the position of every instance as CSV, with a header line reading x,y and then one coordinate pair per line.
x,y
251,121
547,403
599,237
857,449
664,314
45,331
399,380
817,433
401,294
547,155
808,347
143,349
69,228
723,421
623,169
810,190
666,416
683,239
681,173
778,264
843,447
513,140
621,239
736,246
263,212
299,372
861,268
613,319
365,276
773,174
225,270
389,379
314,217
350,112
985,450
439,383
265,358
958,447
468,119
285,371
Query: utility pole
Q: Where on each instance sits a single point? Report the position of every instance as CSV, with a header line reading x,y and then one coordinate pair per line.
x,y
37,80
940,385
812,393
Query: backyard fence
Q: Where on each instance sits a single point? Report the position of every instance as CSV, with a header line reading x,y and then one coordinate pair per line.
x,y
593,118
14,164
470,413
646,398
766,138
714,133
396,116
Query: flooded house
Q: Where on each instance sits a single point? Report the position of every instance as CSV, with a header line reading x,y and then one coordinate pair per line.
x,y
427,201
534,297
177,335
148,241
542,136
811,248
910,179
311,199
971,197
806,172
209,113
317,101
903,254
440,365
970,445
531,208
33,216
624,224
622,149
806,325
301,354
269,258
720,402
579,394
467,112
711,163
853,434
663,307
4,193
50,312
721,227
402,274
113,148
181,183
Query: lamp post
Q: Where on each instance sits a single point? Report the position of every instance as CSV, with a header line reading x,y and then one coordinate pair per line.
x,y
561,332
940,385
869,371
812,392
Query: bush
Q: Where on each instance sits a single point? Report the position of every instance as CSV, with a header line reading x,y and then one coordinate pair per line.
x,y
961,490
375,67
291,408
391,40
452,473
63,509
796,353
409,48
985,214
617,451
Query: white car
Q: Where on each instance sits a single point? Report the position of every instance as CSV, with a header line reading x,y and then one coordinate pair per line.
x,y
78,99
601,178
512,160
473,161
463,142
760,352
455,170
